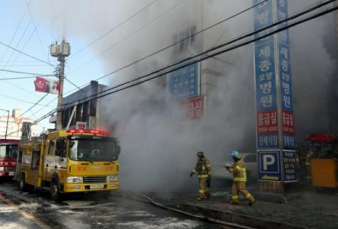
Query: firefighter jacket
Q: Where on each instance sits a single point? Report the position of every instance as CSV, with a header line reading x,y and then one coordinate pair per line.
x,y
239,171
203,169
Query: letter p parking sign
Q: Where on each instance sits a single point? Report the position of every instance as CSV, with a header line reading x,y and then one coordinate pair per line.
x,y
269,165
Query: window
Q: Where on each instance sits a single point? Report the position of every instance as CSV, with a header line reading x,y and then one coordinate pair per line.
x,y
35,160
51,148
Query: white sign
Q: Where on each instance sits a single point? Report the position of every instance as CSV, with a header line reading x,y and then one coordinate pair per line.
x,y
81,125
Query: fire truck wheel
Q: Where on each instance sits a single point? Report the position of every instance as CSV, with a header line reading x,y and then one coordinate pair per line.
x,y
24,187
54,191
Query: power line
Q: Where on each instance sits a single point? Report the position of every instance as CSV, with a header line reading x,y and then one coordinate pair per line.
x,y
33,105
192,35
25,54
24,101
316,15
99,38
169,46
129,36
35,28
217,47
25,73
16,30
324,12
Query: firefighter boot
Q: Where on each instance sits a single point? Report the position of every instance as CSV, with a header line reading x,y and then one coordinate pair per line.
x,y
207,195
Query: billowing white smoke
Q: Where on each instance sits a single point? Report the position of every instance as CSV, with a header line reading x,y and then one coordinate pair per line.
x,y
159,145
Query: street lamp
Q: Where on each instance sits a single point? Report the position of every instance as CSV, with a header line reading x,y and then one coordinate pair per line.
x,y
7,122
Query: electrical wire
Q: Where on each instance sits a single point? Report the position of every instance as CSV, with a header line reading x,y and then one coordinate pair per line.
x,y
16,30
25,73
316,15
35,30
182,40
34,105
125,38
315,7
25,54
24,101
99,38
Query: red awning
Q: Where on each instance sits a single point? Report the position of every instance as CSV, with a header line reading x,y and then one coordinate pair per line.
x,y
322,138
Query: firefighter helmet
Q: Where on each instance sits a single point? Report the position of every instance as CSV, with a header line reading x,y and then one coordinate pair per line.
x,y
235,154
200,154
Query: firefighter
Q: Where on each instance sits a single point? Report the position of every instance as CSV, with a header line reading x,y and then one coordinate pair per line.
x,y
203,170
238,184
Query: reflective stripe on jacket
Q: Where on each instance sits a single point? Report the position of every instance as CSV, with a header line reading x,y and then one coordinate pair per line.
x,y
203,168
239,171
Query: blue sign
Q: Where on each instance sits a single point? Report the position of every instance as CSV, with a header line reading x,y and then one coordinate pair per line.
x,y
266,93
285,78
269,165
290,167
263,17
265,77
183,83
267,140
282,13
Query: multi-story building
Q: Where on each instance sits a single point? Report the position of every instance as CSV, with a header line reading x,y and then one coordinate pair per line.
x,y
11,126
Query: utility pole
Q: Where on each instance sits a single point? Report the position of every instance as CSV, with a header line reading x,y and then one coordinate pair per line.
x,y
60,96
7,122
61,52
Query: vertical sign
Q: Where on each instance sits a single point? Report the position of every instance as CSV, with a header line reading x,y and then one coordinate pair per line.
x,y
265,79
193,107
290,168
274,101
183,83
285,78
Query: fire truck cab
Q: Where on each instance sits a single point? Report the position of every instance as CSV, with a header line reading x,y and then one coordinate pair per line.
x,y
8,155
69,161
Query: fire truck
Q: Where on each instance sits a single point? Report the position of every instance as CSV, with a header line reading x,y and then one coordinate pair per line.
x,y
69,161
8,156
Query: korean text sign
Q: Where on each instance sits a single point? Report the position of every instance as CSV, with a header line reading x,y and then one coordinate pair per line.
x,y
194,107
183,83
285,78
265,79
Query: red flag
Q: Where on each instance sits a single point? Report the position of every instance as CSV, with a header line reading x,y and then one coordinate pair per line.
x,y
47,86
40,84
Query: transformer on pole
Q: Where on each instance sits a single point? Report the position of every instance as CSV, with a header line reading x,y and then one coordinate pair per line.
x,y
61,52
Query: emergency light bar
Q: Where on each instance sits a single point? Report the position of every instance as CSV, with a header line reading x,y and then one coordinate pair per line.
x,y
79,131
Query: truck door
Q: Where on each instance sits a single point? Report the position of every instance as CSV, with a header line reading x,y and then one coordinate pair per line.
x,y
49,160
18,166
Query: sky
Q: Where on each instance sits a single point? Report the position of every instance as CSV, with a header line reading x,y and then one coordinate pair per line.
x,y
101,42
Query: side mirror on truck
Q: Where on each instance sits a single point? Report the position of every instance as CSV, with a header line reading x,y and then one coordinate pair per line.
x,y
118,148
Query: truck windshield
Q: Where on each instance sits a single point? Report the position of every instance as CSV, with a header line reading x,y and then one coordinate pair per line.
x,y
92,150
9,151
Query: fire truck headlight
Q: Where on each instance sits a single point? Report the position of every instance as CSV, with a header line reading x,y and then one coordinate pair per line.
x,y
2,168
72,180
112,178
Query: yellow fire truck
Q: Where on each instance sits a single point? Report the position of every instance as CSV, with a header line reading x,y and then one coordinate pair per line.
x,y
69,161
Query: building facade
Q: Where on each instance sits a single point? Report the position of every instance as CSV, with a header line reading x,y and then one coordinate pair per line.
x,y
11,126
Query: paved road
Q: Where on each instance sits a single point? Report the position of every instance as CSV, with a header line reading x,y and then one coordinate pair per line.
x,y
122,210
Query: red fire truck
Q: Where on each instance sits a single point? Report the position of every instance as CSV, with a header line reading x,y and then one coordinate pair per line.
x,y
8,156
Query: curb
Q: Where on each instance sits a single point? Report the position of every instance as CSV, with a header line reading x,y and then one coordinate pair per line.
x,y
235,218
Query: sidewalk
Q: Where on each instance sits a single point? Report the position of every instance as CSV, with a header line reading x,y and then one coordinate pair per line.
x,y
305,210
